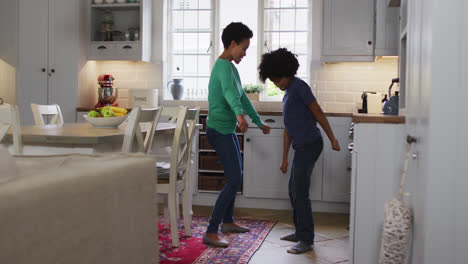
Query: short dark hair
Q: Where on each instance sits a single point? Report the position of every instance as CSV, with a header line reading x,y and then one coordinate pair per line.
x,y
277,64
235,31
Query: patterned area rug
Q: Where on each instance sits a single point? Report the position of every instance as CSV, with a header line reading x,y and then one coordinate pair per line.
x,y
192,250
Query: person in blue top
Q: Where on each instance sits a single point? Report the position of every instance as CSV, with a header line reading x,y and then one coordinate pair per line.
x,y
301,112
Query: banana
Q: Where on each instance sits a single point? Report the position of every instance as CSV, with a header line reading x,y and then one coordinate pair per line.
x,y
118,110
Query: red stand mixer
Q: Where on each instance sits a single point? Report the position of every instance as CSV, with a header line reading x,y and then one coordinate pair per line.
x,y
107,94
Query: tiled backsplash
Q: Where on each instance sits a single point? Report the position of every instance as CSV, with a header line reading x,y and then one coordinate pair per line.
x,y
338,86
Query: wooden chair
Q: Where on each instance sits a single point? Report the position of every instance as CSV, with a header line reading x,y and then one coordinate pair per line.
x,y
139,121
175,180
9,118
39,111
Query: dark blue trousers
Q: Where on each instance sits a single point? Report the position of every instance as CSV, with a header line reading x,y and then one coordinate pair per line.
x,y
227,148
304,160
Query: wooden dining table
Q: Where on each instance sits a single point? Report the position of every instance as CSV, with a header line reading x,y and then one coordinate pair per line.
x,y
81,138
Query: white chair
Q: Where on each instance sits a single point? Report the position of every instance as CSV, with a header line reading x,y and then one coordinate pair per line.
x,y
175,180
139,121
39,111
9,118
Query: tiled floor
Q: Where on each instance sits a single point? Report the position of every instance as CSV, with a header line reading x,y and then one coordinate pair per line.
x,y
331,239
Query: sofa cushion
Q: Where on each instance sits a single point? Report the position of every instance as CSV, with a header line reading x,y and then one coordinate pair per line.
x,y
8,165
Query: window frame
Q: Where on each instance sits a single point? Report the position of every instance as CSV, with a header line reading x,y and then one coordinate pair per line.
x,y
215,45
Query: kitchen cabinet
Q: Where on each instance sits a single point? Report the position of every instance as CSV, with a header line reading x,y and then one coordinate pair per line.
x,y
387,29
359,30
348,30
48,55
378,155
131,18
330,180
337,164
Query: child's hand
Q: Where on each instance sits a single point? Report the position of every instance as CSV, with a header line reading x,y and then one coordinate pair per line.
x,y
335,144
284,166
265,129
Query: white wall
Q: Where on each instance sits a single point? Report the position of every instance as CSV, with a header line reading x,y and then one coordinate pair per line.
x,y
437,75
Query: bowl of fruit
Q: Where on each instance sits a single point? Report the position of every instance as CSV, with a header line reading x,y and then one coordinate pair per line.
x,y
107,117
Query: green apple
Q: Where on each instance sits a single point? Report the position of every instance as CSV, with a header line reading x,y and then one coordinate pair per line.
x,y
93,113
106,112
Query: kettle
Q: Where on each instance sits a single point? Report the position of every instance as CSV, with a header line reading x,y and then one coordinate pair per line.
x,y
390,107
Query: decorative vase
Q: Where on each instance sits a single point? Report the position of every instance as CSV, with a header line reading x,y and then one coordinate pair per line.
x,y
253,96
176,89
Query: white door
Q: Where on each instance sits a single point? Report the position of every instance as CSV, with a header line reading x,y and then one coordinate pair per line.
x,y
32,56
262,160
63,56
348,28
337,164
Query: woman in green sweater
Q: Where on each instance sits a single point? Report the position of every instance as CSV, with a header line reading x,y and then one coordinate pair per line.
x,y
227,101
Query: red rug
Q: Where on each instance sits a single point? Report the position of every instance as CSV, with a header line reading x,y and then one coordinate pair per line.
x,y
192,250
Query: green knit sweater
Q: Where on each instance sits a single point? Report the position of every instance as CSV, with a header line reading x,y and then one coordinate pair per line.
x,y
227,99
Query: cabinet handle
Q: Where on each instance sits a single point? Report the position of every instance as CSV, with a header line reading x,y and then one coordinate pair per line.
x,y
101,47
248,140
43,69
127,47
269,120
348,169
369,42
52,71
350,146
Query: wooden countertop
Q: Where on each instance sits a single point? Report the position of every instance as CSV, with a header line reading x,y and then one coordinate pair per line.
x,y
270,113
378,119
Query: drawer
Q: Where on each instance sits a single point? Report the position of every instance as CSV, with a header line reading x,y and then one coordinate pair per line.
x,y
207,182
128,50
211,183
104,50
210,162
271,121
204,144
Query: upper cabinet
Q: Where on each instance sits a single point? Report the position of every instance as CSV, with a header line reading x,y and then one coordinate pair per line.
x,y
387,29
121,31
359,30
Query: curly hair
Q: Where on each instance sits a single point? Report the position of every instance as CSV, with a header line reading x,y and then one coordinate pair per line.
x,y
277,64
235,31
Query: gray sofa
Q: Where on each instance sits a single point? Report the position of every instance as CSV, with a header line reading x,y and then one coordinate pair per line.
x,y
78,209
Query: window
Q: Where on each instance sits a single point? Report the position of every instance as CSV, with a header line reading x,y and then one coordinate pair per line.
x,y
190,45
194,39
286,24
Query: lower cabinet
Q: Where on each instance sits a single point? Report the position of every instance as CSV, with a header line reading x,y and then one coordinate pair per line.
x,y
262,156
331,177
262,175
337,164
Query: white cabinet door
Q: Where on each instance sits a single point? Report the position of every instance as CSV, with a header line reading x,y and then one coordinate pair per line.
x,y
387,33
48,48
32,56
262,160
348,30
337,164
63,56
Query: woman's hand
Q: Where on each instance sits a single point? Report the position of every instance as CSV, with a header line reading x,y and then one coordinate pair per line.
x,y
284,166
242,123
265,129
335,145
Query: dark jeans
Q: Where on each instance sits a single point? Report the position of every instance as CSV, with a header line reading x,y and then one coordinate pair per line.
x,y
227,148
299,183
